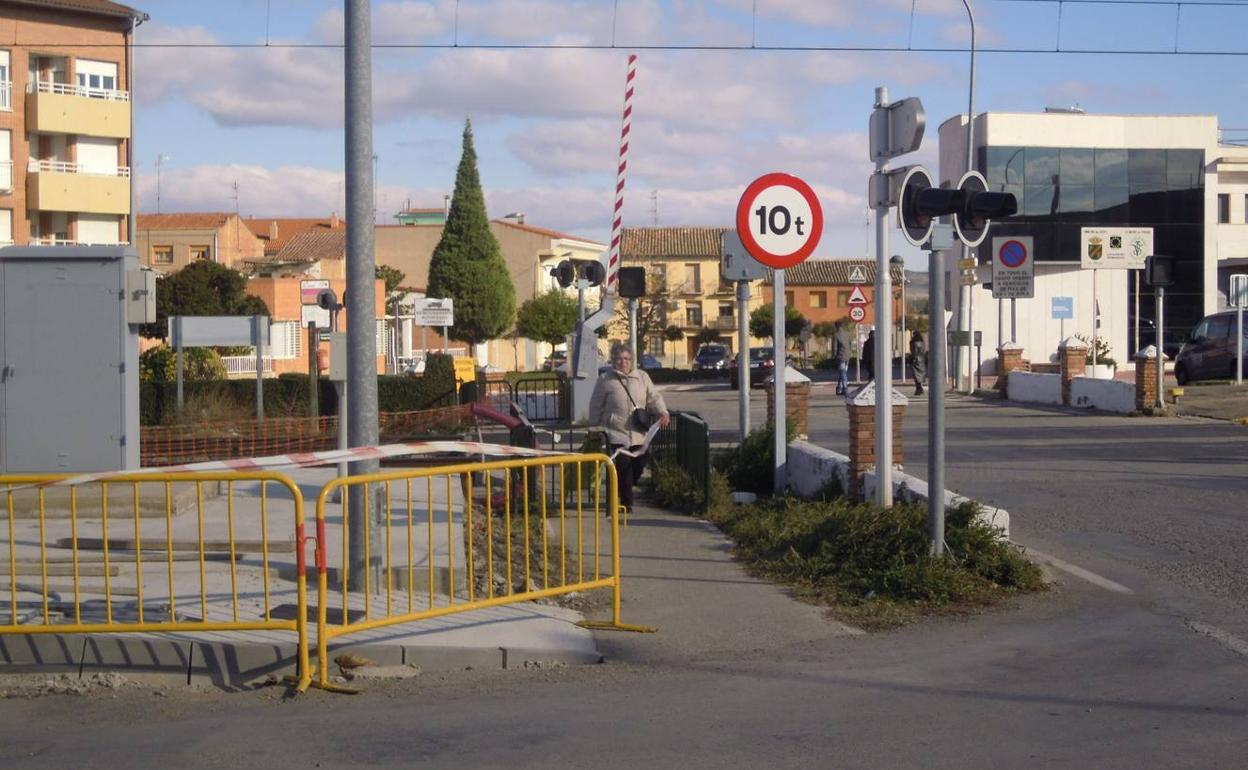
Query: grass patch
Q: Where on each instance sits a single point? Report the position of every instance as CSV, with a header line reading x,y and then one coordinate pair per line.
x,y
871,566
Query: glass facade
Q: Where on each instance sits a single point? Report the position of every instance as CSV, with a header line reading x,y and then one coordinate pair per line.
x,y
1062,189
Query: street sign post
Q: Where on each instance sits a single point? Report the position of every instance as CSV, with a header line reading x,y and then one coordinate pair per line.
x,y
736,264
1062,309
857,314
1013,274
1237,297
779,221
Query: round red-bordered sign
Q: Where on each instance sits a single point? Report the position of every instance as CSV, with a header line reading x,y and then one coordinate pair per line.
x,y
779,220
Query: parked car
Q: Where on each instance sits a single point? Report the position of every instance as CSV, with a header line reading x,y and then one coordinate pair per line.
x,y
762,364
556,361
648,363
1209,353
711,358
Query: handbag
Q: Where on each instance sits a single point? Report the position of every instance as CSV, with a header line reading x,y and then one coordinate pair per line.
x,y
638,419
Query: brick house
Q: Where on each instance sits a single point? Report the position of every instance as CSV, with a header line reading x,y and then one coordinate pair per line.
x,y
170,242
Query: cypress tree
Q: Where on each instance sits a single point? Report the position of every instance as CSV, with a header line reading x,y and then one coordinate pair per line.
x,y
467,264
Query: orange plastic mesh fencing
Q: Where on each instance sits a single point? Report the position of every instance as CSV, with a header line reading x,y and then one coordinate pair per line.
x,y
162,445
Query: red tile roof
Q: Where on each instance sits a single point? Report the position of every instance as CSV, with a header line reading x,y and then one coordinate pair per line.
x,y
89,6
183,221
832,272
644,242
288,228
545,232
312,246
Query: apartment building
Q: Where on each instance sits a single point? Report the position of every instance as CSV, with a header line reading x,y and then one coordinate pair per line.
x,y
65,121
170,242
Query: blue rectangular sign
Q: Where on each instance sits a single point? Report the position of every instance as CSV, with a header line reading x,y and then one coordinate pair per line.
x,y
1063,308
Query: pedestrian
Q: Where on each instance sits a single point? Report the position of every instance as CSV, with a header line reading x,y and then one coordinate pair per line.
x,y
918,362
868,355
841,355
626,403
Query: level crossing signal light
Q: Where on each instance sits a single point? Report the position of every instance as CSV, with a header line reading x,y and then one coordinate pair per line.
x,y
971,204
569,271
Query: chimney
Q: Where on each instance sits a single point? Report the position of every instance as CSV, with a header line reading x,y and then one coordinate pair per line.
x,y
333,221
273,230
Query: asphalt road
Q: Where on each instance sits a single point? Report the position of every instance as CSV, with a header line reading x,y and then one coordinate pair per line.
x,y
1139,661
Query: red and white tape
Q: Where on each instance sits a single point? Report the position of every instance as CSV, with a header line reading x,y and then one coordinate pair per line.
x,y
314,459
617,217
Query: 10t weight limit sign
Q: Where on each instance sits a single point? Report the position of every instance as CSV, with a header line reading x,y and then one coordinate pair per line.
x,y
779,220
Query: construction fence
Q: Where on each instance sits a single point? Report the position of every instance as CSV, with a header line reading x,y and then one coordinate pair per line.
x,y
188,552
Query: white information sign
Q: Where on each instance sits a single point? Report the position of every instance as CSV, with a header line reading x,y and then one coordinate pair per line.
x,y
427,311
1115,248
1013,268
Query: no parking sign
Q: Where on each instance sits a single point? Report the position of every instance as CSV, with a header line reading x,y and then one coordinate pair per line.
x,y
1013,269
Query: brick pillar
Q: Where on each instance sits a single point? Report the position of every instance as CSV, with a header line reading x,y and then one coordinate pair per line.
x,y
1146,379
1009,358
796,404
861,407
1073,355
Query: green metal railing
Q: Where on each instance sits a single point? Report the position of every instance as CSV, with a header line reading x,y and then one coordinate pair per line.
x,y
686,441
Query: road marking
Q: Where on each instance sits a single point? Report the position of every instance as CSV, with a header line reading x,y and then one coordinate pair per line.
x,y
1080,572
1224,638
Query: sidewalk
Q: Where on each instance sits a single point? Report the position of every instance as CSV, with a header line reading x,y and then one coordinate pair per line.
x,y
680,577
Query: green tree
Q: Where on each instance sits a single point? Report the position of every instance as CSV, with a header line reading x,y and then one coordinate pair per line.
x,y
467,265
760,321
201,288
707,336
159,364
548,317
673,333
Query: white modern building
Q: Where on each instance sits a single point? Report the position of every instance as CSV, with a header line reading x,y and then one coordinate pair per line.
x,y
1071,170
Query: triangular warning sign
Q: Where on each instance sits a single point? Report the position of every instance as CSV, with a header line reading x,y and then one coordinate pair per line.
x,y
857,274
856,297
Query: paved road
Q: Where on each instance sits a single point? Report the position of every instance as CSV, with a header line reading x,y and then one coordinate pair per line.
x,y
742,676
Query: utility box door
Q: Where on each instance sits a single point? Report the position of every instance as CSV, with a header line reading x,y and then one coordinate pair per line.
x,y
62,327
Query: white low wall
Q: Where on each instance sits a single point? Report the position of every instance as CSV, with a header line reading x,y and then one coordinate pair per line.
x,y
1034,388
1109,395
811,468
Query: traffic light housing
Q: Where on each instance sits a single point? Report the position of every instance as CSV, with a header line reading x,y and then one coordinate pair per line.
x,y
569,270
1159,270
971,205
632,282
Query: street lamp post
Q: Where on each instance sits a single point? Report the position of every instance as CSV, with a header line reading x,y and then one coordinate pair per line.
x,y
160,162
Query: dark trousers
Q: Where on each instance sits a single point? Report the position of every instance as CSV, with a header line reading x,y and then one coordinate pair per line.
x,y
628,471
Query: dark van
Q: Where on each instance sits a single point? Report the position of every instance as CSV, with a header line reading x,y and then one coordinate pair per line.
x,y
1209,353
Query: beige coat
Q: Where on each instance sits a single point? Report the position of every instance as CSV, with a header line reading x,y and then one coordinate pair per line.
x,y
610,406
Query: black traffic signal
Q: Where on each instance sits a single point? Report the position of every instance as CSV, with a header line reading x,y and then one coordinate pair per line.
x,y
972,206
632,282
589,270
326,299
1159,270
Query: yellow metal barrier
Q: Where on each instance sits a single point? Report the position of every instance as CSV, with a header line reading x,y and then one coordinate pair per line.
x,y
181,563
488,531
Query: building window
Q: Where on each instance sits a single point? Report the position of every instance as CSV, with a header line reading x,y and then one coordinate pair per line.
x,y
6,227
285,339
842,298
788,299
6,82
819,299
659,275
200,252
654,344
693,314
693,278
1224,208
96,79
162,255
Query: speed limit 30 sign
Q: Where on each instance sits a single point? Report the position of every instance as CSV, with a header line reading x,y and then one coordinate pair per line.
x,y
779,220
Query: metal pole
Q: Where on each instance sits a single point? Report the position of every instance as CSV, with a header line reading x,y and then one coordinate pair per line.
x,y
314,374
1013,320
259,340
424,344
1137,314
883,341
857,352
632,330
780,478
901,341
743,357
340,388
1001,325
1161,369
936,401
970,166
970,329
1239,348
1096,320
361,383
179,358
446,340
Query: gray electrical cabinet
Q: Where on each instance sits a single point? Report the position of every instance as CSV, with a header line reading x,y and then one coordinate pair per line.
x,y
69,347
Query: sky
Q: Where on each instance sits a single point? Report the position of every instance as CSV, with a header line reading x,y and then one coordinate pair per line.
x,y
250,93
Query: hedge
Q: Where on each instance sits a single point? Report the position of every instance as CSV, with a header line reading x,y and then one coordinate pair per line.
x,y
287,395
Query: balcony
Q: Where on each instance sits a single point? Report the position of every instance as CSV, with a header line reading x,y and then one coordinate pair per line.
x,y
61,108
693,288
61,186
725,322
